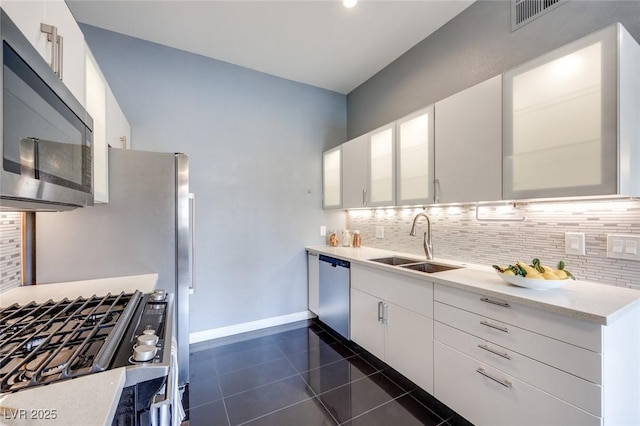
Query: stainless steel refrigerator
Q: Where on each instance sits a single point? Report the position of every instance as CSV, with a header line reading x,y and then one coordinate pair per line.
x,y
147,227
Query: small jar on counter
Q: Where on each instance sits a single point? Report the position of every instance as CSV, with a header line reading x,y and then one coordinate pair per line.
x,y
332,237
346,238
357,239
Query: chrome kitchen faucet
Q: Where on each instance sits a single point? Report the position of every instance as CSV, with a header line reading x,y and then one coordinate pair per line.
x,y
428,247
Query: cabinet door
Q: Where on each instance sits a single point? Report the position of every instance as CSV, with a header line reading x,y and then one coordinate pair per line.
x,y
355,155
468,144
96,92
27,15
332,178
415,158
560,124
118,128
497,399
382,171
367,328
313,279
409,345
73,63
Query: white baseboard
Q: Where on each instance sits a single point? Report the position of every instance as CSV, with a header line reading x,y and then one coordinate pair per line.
x,y
214,333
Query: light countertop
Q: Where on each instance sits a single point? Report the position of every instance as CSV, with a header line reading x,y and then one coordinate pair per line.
x,y
86,400
57,291
583,300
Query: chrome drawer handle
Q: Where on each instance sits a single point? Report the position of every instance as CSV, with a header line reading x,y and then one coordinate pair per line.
x,y
380,312
505,383
493,351
495,302
497,327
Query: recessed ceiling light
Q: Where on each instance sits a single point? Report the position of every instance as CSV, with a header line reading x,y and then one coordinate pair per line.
x,y
349,3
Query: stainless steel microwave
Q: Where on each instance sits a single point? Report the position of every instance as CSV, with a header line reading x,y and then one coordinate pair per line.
x,y
47,144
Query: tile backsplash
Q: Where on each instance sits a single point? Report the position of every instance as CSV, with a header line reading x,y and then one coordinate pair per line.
x,y
10,255
499,236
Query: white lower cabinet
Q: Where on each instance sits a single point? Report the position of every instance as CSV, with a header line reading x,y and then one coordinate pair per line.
x,y
391,318
486,396
502,363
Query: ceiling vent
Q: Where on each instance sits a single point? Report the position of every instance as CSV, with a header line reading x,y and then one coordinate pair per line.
x,y
525,11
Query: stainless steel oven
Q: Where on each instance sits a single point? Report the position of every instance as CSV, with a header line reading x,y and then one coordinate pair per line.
x,y
47,144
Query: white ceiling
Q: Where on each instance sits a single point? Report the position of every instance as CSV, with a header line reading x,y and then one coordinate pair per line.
x,y
320,43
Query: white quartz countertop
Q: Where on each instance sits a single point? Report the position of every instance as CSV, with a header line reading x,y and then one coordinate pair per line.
x,y
583,300
86,400
57,291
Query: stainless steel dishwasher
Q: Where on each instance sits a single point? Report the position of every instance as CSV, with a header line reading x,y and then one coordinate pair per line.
x,y
334,294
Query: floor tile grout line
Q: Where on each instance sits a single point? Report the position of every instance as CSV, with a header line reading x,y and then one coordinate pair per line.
x,y
374,408
250,366
274,411
259,386
224,403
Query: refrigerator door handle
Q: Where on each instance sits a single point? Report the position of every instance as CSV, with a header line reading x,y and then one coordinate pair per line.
x,y
192,242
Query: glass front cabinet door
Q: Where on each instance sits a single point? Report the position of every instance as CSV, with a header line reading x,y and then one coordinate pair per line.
x,y
415,158
381,191
332,178
568,126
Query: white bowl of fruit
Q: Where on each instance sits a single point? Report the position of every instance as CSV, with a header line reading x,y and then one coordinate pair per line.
x,y
534,275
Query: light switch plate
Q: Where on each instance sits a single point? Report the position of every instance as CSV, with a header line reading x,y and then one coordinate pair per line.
x,y
574,243
323,231
623,246
379,232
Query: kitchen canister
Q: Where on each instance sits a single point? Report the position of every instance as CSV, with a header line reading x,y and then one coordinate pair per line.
x,y
357,239
346,238
332,237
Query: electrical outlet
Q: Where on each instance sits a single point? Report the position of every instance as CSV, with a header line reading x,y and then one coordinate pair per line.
x,y
623,246
379,232
323,231
574,243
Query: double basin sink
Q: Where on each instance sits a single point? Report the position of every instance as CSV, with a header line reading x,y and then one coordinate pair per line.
x,y
426,267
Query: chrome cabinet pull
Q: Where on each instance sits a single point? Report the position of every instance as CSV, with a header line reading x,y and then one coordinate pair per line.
x,y
385,313
497,327
364,197
505,383
52,36
495,302
380,312
493,351
60,56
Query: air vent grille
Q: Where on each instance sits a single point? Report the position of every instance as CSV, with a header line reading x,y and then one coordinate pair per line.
x,y
525,11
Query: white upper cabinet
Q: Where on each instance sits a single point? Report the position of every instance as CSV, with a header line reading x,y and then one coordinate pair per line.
x,y
96,102
332,178
67,51
118,131
572,120
355,168
415,158
468,148
382,178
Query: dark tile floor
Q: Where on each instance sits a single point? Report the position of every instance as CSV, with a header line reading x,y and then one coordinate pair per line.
x,y
301,375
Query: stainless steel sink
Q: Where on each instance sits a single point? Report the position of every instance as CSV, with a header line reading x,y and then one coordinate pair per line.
x,y
395,260
428,267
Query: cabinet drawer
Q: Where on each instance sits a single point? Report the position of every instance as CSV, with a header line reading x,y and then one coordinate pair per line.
x,y
568,387
580,333
569,358
410,293
459,383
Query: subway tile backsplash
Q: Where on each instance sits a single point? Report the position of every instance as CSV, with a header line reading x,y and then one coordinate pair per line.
x,y
10,257
498,237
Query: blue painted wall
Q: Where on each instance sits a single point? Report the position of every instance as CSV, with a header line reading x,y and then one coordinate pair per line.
x,y
255,143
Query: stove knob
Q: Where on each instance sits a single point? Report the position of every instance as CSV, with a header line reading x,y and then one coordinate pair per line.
x,y
158,296
149,331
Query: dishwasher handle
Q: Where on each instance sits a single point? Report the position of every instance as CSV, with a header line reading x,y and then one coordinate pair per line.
x,y
335,262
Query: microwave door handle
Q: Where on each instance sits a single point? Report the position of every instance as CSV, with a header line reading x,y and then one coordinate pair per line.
x,y
29,157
